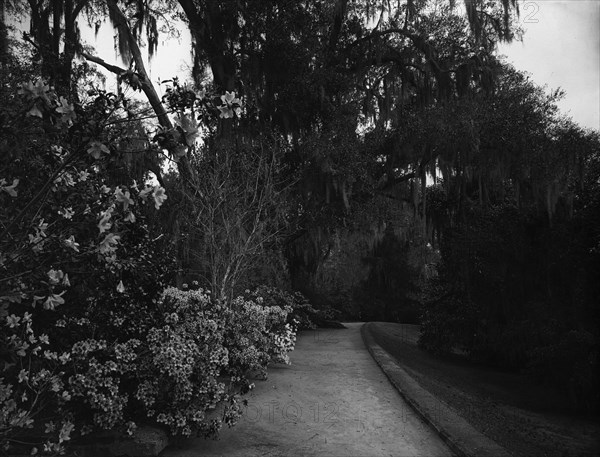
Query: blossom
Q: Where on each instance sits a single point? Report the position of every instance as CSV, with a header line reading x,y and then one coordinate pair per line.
x,y
12,321
229,98
131,427
67,213
120,287
55,276
42,227
130,217
159,196
104,223
83,175
201,94
50,427
65,178
231,105
67,111
64,358
65,432
23,376
71,243
35,90
226,112
54,300
144,193
96,149
107,245
123,197
10,190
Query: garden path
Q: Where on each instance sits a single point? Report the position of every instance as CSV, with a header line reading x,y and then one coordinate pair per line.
x,y
332,401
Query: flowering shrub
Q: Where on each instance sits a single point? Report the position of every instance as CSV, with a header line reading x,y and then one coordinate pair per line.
x,y
77,262
301,314
199,357
90,335
258,335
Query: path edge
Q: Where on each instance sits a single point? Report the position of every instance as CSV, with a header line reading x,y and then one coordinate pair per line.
x,y
460,436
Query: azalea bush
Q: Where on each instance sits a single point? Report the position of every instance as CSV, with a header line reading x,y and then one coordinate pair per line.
x,y
91,335
301,314
77,262
201,356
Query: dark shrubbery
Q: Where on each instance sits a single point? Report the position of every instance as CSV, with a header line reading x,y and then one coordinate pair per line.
x,y
517,293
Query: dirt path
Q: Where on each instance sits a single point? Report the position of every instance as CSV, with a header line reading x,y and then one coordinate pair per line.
x,y
332,401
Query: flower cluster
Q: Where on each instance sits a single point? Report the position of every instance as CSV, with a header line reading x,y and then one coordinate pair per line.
x,y
76,259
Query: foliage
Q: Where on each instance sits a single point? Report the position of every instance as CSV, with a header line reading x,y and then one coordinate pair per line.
x,y
301,314
68,231
200,354
89,339
518,293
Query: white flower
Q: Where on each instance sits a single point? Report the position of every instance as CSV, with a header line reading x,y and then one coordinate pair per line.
x,y
64,357
54,300
123,197
10,190
12,321
42,227
108,244
65,432
35,90
229,98
67,213
201,94
104,223
120,287
71,243
226,112
55,276
83,175
144,193
231,105
159,196
96,149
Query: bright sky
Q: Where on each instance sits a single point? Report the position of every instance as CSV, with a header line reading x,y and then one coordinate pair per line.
x,y
561,48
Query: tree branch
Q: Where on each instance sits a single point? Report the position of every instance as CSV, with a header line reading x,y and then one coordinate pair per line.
x,y
112,68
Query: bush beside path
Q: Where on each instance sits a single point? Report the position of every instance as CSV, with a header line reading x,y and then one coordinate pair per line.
x,y
333,400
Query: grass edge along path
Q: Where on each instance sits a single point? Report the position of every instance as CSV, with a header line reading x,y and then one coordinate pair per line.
x,y
509,408
460,436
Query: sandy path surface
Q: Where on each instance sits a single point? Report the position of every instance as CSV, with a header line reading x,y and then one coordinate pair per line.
x,y
332,401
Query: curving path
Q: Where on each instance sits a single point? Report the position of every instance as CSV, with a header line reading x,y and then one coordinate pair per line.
x,y
332,401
